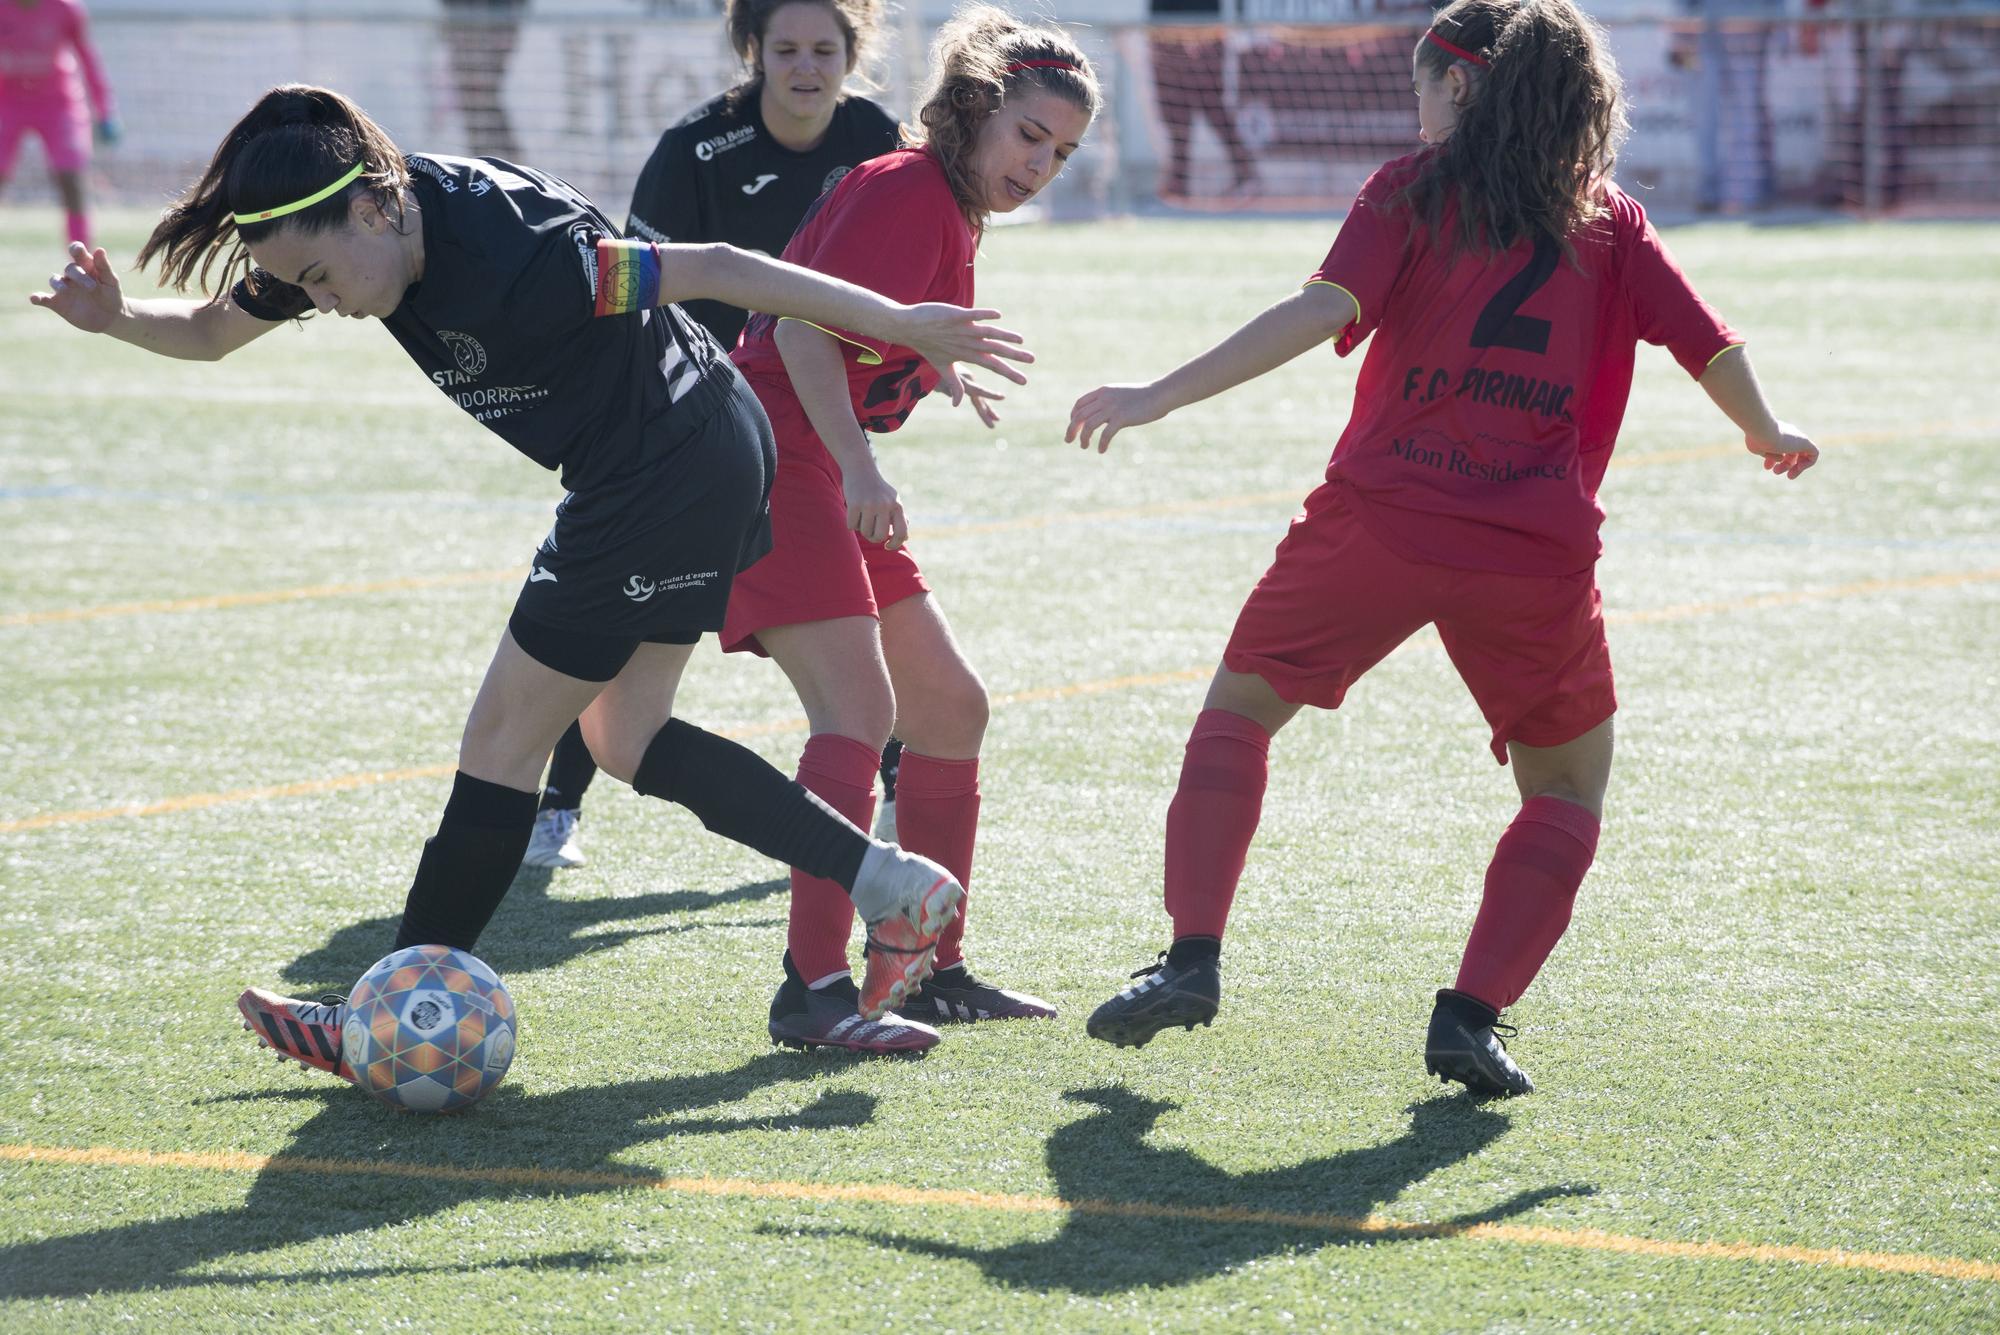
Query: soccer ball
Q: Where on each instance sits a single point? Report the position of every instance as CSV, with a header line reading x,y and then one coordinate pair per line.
x,y
429,1029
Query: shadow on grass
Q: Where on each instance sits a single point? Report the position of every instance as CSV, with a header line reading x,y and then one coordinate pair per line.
x,y
369,1179
531,931
1142,1216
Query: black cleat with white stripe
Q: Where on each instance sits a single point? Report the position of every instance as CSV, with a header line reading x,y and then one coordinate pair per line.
x,y
1166,995
830,1017
1464,1045
953,996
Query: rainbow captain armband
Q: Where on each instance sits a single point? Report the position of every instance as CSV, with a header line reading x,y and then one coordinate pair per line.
x,y
628,276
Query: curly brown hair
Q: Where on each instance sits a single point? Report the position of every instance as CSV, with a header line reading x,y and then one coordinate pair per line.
x,y
1538,135
859,21
982,56
294,142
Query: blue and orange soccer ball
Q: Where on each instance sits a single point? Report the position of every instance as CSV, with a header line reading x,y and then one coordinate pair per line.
x,y
429,1029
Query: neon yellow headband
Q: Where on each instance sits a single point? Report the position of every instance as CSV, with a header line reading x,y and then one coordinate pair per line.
x,y
265,215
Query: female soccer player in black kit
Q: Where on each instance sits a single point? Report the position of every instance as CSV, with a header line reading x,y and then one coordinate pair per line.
x,y
488,274
743,168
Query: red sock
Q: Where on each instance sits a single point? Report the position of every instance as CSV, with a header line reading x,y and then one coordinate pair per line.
x,y
1530,886
841,772
937,815
78,227
1213,818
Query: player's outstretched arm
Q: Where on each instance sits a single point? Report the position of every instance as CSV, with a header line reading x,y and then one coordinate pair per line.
x,y
1732,384
632,274
88,295
1301,321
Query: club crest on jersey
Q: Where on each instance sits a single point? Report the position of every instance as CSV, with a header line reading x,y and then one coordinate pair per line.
x,y
465,350
707,149
834,178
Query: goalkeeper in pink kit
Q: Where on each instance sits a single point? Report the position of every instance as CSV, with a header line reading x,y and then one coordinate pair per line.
x,y
1505,281
51,83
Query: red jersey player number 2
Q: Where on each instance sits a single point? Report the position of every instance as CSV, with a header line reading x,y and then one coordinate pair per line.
x,y
1502,283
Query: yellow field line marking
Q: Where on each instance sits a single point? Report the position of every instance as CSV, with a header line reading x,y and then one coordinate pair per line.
x,y
1038,695
1902,1263
219,601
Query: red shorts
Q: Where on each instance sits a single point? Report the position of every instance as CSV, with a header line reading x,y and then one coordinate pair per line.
x,y
818,568
61,123
1336,601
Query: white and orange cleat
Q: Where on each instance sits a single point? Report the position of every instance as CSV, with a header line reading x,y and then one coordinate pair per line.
x,y
307,1032
905,900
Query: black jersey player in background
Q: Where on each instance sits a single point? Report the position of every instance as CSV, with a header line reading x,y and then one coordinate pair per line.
x,y
743,168
487,274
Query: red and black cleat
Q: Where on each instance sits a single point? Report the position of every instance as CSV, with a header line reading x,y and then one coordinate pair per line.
x,y
302,1031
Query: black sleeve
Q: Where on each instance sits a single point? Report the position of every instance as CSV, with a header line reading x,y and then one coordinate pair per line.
x,y
263,296
555,292
665,203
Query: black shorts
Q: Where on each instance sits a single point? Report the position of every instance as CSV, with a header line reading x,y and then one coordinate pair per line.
x,y
649,557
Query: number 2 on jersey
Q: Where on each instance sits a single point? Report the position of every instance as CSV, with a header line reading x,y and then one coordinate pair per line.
x,y
1499,325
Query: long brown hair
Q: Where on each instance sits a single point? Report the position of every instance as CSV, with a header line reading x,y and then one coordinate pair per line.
x,y
294,142
859,21
980,58
1537,136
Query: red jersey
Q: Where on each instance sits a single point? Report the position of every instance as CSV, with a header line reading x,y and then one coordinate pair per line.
x,y
1491,395
891,226
45,54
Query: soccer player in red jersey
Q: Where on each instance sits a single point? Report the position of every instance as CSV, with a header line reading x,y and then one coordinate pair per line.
x,y
1507,282
840,603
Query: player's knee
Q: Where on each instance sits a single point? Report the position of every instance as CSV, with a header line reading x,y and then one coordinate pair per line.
x,y
617,742
503,747
944,716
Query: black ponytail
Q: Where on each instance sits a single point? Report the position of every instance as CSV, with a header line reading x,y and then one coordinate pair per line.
x,y
295,142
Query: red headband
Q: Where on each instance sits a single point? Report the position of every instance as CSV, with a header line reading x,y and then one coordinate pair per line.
x,y
1431,36
1017,66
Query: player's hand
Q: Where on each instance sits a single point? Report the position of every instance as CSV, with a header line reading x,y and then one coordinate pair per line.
x,y
109,131
982,399
86,292
1788,453
1109,409
942,334
872,508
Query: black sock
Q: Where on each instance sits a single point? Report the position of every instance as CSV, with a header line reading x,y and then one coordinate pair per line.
x,y
570,771
841,986
467,865
1468,1009
738,794
1188,950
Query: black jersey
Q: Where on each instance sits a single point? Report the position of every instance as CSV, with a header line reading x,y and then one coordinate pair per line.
x,y
502,323
718,175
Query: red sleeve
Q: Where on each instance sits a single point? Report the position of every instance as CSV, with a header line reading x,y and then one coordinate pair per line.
x,y
86,55
891,235
1666,309
1367,257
